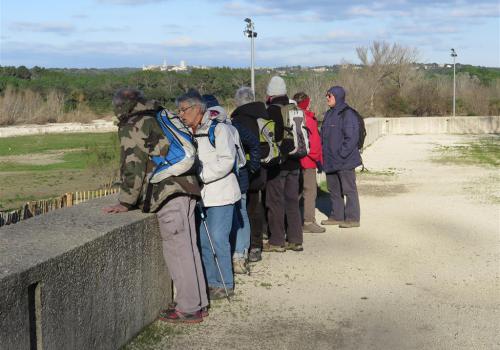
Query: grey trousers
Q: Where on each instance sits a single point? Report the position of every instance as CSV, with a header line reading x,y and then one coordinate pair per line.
x,y
309,193
343,183
180,250
282,201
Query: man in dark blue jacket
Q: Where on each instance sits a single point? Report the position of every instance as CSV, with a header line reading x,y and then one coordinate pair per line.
x,y
339,138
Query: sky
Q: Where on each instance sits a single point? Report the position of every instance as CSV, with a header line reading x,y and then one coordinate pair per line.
x,y
133,33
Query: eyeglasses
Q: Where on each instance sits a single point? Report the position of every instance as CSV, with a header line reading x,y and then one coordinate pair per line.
x,y
182,110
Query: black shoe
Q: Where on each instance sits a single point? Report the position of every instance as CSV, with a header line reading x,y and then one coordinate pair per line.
x,y
254,255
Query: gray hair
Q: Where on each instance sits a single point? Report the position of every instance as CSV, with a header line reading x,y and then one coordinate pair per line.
x,y
192,97
244,95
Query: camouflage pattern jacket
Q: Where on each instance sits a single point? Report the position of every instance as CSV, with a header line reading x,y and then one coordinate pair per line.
x,y
141,138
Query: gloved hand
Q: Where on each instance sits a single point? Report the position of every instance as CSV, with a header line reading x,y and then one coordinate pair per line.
x,y
319,166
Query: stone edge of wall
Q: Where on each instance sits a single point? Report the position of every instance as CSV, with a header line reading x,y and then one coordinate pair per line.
x,y
97,126
92,286
378,127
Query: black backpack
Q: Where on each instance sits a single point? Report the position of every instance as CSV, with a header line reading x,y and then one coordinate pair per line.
x,y
362,128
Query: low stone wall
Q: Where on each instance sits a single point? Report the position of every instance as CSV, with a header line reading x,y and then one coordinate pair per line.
x,y
378,127
442,125
80,279
53,128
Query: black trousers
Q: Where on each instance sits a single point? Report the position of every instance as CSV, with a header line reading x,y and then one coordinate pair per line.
x,y
343,184
256,209
282,202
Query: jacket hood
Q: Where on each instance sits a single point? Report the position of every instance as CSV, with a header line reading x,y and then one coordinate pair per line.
x,y
253,110
339,93
216,112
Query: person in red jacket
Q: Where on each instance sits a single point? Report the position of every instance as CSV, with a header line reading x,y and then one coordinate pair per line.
x,y
309,165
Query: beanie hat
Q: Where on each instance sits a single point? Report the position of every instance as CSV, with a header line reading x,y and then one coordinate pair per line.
x,y
276,87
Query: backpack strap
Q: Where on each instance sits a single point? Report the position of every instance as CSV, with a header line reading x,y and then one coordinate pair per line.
x,y
211,132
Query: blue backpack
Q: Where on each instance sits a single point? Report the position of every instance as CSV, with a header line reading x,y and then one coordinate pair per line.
x,y
181,155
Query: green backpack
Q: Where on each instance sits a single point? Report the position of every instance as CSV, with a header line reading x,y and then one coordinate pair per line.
x,y
267,136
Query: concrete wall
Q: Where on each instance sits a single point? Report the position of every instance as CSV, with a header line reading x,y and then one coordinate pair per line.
x,y
443,125
80,279
95,126
378,127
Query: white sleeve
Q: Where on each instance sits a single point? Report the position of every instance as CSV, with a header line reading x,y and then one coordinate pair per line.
x,y
225,153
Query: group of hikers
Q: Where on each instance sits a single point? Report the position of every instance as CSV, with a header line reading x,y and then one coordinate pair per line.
x,y
227,188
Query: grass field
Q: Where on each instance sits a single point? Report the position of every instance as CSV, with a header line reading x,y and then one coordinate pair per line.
x,y
45,166
484,151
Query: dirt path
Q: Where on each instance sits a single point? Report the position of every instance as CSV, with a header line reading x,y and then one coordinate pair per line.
x,y
421,273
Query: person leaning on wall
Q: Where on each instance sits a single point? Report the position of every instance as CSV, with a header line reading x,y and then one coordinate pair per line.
x,y
173,200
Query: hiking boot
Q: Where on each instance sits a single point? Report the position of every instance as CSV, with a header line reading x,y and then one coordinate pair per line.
x,y
218,293
331,221
267,247
171,307
254,255
349,224
312,227
175,316
296,247
204,311
240,266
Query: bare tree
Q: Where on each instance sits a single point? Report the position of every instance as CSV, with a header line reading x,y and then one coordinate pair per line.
x,y
382,64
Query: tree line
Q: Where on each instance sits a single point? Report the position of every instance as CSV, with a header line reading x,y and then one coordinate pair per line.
x,y
386,83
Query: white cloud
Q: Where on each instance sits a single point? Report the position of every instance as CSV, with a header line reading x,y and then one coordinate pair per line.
x,y
61,28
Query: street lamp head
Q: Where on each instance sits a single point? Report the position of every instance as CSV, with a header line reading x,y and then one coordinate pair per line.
x,y
453,53
248,20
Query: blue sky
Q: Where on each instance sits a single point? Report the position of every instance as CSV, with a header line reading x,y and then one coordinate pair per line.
x,y
130,33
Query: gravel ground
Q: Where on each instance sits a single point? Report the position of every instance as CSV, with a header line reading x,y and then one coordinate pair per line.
x,y
422,272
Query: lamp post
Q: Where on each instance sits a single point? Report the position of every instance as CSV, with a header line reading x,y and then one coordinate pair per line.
x,y
250,33
454,54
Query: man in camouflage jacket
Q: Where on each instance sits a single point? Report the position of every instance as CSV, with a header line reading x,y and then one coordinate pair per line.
x,y
174,200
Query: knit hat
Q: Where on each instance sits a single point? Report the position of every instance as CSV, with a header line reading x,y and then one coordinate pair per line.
x,y
276,87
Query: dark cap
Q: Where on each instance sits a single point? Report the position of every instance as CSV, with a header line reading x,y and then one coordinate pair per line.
x,y
125,99
210,101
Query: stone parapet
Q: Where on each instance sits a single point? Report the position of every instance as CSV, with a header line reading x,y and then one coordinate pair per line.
x,y
77,278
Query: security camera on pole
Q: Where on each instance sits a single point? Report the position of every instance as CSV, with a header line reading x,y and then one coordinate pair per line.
x,y
454,54
249,32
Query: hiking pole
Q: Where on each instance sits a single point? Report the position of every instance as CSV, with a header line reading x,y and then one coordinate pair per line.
x,y
204,219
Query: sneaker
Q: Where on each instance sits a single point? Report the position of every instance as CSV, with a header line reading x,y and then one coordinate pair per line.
x,y
254,255
240,266
296,247
349,224
267,247
175,316
331,221
217,293
312,227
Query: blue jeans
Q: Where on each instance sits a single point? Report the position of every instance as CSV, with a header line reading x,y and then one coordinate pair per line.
x,y
240,232
219,221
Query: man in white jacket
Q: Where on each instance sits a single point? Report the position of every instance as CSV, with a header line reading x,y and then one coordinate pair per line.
x,y
220,189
